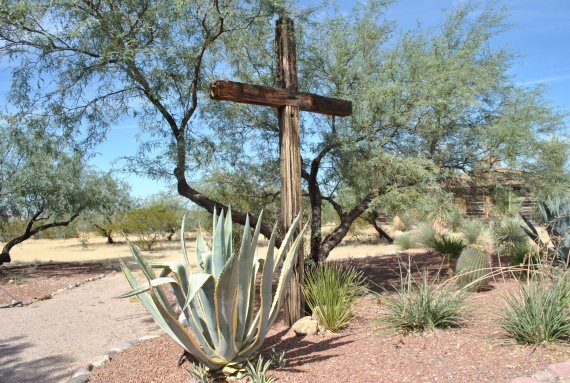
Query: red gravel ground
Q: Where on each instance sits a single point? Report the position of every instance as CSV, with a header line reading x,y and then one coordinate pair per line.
x,y
27,282
365,352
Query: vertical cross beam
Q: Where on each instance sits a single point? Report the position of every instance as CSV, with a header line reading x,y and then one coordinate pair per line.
x,y
290,159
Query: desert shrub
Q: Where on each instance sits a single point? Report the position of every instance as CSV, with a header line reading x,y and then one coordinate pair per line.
x,y
420,305
150,224
330,291
405,241
473,232
540,312
524,255
509,234
403,221
425,235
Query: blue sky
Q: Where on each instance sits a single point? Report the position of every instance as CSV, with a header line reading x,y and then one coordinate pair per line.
x,y
539,34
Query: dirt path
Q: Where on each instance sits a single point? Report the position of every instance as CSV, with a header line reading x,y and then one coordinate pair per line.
x,y
43,342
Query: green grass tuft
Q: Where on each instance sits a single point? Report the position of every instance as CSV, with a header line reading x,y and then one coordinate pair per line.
x,y
540,312
421,305
330,291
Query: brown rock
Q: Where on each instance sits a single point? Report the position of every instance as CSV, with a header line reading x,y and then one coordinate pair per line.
x,y
306,326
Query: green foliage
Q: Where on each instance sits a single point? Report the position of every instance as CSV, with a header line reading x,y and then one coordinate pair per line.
x,y
540,312
405,241
425,235
556,215
278,360
200,373
150,223
420,305
258,373
330,291
509,234
222,327
45,183
473,232
450,247
472,268
524,255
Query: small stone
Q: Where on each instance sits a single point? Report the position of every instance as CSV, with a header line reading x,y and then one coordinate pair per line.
x,y
100,276
101,361
562,370
44,297
306,326
71,286
123,346
546,376
11,281
148,337
79,372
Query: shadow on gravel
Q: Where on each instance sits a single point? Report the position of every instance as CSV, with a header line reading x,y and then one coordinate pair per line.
x,y
300,351
14,370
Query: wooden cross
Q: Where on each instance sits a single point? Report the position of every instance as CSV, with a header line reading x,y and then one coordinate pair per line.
x,y
288,102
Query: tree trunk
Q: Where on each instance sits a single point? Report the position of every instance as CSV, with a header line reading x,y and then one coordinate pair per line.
x,y
334,238
106,233
29,232
372,219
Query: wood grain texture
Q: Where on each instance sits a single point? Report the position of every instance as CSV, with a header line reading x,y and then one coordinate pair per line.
x,y
275,97
290,160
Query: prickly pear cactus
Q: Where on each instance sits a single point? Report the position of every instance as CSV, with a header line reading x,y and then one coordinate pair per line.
x,y
472,266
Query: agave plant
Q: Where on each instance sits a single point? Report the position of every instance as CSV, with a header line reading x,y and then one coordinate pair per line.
x,y
222,329
556,213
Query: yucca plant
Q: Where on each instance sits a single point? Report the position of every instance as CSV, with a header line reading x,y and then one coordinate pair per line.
x,y
473,232
330,290
425,235
421,305
540,312
405,241
218,301
509,234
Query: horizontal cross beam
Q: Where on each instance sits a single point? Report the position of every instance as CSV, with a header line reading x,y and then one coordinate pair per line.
x,y
277,97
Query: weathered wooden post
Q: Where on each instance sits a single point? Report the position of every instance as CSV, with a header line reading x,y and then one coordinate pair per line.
x,y
288,102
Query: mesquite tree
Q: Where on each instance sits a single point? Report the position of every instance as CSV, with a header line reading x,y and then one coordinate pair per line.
x,y
428,104
42,185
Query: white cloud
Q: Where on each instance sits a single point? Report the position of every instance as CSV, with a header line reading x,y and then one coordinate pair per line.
x,y
545,80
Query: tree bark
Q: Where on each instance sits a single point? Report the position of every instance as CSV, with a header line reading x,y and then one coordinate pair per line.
x,y
106,233
30,231
290,160
372,219
334,238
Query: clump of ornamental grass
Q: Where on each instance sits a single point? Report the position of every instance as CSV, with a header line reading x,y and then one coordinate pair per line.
x,y
425,235
405,241
330,290
421,304
539,312
473,232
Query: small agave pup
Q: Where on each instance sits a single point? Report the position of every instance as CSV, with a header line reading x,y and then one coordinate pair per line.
x,y
223,329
